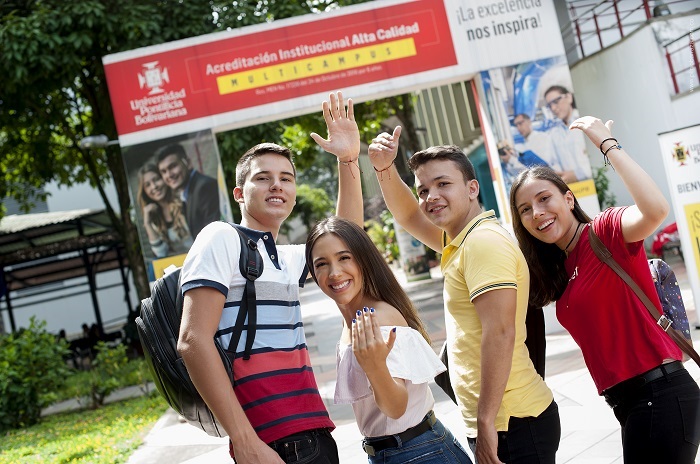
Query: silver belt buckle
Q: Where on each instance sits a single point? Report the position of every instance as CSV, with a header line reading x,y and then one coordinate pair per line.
x,y
664,322
369,449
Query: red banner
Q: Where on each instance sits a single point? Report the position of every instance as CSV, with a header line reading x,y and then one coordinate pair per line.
x,y
280,63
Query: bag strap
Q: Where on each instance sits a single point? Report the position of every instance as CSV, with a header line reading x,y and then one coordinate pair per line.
x,y
605,256
251,267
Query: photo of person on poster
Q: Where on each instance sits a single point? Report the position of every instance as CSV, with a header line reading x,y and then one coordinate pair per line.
x,y
570,145
199,193
538,142
531,106
163,214
174,185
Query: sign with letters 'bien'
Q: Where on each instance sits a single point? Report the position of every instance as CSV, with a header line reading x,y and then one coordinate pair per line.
x,y
680,150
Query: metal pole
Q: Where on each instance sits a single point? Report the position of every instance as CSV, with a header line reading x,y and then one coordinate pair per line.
x,y
694,52
578,29
13,325
93,288
597,30
647,10
125,281
617,17
670,67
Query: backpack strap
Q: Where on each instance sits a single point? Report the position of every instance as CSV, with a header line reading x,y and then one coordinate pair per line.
x,y
251,267
605,256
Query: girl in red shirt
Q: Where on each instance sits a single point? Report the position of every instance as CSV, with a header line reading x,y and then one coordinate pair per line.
x,y
634,365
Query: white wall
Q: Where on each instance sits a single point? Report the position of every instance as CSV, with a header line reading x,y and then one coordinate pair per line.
x,y
629,83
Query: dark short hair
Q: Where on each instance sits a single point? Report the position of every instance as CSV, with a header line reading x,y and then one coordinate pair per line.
x,y
524,115
559,88
172,149
444,152
243,165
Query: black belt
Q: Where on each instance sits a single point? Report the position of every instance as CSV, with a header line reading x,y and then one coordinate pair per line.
x,y
616,394
375,445
278,445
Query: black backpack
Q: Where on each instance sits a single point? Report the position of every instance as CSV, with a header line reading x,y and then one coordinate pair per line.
x,y
159,328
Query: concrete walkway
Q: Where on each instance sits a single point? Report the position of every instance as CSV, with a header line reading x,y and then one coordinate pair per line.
x,y
590,433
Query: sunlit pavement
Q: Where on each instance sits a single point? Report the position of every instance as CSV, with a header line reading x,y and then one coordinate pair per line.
x,y
590,433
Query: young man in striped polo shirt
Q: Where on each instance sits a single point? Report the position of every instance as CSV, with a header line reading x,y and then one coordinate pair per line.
x,y
273,413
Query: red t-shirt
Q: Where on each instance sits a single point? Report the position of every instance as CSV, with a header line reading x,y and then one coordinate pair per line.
x,y
618,337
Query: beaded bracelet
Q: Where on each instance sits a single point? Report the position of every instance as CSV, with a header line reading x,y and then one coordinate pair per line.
x,y
380,171
601,144
606,160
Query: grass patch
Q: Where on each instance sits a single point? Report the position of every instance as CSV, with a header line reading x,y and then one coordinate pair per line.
x,y
107,435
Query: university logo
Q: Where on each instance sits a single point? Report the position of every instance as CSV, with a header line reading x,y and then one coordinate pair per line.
x,y
680,154
153,77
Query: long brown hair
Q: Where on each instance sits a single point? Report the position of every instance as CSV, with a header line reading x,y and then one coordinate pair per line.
x,y
174,205
378,281
548,277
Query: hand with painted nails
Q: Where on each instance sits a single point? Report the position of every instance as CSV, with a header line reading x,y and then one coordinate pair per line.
x,y
383,149
343,135
368,344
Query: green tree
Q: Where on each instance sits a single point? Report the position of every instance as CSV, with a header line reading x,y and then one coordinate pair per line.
x,y
31,371
54,90
54,93
606,198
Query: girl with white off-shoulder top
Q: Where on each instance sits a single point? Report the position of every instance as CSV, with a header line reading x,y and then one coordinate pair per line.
x,y
384,358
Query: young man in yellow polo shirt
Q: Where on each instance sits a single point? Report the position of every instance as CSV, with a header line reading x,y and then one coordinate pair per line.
x,y
509,411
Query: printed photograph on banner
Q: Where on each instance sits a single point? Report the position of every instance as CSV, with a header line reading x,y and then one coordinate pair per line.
x,y
530,107
177,188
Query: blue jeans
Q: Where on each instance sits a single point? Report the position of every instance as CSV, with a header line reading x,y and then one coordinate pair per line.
x,y
661,420
529,440
436,445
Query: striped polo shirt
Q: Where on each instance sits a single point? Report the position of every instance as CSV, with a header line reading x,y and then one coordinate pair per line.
x,y
276,386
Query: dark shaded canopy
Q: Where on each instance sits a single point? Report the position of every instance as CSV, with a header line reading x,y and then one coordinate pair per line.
x,y
40,249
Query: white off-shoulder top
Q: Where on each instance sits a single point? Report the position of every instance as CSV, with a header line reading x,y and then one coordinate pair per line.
x,y
411,359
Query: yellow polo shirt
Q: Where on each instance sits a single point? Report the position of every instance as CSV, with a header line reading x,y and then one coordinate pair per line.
x,y
482,258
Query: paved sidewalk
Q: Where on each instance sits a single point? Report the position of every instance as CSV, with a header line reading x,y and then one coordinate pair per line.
x,y
590,433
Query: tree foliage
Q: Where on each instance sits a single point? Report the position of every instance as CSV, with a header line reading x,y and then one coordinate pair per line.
x,y
54,91
31,370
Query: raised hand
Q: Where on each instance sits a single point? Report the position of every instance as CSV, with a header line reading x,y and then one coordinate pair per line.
x,y
594,128
343,135
383,149
368,344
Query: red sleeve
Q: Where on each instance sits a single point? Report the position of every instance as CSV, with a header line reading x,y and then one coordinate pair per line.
x,y
608,227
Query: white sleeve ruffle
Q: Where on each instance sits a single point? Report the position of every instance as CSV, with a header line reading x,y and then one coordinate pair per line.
x,y
411,359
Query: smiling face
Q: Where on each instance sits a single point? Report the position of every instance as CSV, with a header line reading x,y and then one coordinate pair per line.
x,y
445,197
175,171
268,194
545,212
337,272
154,187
